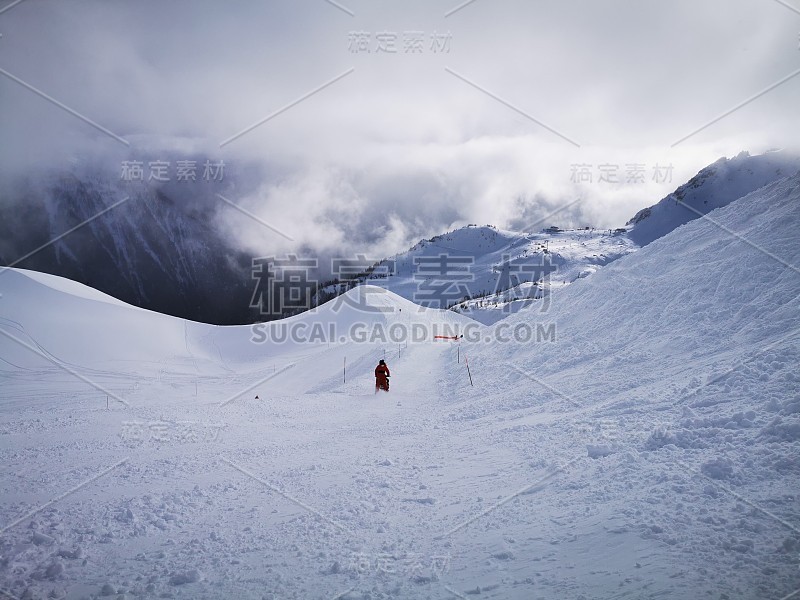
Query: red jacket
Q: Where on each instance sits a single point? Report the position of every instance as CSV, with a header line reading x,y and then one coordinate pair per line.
x,y
382,371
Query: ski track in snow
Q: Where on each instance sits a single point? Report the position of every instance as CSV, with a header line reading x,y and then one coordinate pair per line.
x,y
660,460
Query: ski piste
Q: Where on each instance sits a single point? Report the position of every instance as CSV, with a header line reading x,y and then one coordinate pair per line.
x,y
649,450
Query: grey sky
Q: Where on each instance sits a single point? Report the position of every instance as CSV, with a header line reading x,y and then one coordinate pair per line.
x,y
400,146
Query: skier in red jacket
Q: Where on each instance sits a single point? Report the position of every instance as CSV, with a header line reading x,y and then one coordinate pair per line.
x,y
382,377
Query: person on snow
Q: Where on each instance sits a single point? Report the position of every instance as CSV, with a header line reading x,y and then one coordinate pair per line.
x,y
382,377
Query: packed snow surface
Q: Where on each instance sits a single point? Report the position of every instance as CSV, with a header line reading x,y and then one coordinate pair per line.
x,y
646,445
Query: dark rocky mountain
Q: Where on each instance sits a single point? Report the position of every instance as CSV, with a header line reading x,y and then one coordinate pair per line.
x,y
158,249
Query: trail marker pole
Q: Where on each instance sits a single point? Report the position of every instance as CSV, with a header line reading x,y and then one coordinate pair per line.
x,y
106,402
344,371
466,360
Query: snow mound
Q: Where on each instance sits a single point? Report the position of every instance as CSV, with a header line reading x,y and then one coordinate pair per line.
x,y
70,288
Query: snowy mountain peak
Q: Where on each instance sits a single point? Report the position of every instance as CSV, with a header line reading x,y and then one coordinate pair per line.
x,y
470,239
714,186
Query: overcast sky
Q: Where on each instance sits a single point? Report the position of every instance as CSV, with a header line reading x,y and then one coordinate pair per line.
x,y
483,125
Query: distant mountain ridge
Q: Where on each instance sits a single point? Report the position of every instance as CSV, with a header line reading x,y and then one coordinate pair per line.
x,y
159,248
511,270
488,273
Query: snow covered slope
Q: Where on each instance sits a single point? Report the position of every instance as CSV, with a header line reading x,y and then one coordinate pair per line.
x,y
675,374
647,450
72,323
713,187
